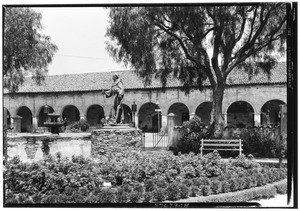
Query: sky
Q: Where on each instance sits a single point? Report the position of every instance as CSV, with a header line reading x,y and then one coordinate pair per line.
x,y
79,33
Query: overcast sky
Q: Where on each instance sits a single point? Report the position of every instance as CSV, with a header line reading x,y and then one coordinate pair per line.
x,y
79,33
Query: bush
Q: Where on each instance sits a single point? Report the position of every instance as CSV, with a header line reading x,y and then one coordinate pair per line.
x,y
194,191
225,187
281,188
206,190
173,191
233,184
134,197
192,134
159,194
184,191
149,185
216,186
81,125
148,197
121,196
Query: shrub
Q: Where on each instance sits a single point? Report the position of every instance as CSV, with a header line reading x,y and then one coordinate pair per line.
x,y
184,191
121,196
161,183
233,184
134,197
192,134
261,179
188,182
206,190
194,191
139,188
81,125
149,185
216,186
281,188
107,195
173,191
159,194
225,187
148,197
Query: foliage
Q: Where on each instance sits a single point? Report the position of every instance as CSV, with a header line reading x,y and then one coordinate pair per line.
x,y
193,132
81,125
176,41
145,176
264,142
26,50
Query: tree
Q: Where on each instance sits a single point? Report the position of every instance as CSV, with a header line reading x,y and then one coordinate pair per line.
x,y
26,51
161,41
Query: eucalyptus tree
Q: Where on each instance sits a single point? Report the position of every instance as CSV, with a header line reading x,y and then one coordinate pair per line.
x,y
198,43
26,50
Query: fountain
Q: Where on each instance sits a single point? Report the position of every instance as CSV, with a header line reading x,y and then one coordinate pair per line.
x,y
53,124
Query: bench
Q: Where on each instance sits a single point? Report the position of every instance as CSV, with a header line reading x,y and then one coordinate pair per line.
x,y
219,144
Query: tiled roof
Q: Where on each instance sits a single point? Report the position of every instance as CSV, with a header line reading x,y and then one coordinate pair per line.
x,y
103,80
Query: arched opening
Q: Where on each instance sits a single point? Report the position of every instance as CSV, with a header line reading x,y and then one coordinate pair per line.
x,y
149,119
71,114
94,115
43,116
240,114
8,118
181,111
270,112
203,111
127,114
26,121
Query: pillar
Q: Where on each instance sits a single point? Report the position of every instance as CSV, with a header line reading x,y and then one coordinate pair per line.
x,y
136,120
257,120
164,123
17,124
171,125
225,119
192,115
34,123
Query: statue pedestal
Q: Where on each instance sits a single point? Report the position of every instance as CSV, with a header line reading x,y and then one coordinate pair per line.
x,y
115,139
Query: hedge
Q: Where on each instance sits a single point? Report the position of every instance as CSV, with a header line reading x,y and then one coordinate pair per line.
x,y
264,192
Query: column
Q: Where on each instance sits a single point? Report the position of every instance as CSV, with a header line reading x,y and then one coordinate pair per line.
x,y
171,124
225,119
136,120
192,115
164,123
257,119
34,123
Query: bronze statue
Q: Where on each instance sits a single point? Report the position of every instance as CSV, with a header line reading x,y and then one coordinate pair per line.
x,y
116,90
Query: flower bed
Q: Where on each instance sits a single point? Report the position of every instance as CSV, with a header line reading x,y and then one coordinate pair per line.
x,y
135,177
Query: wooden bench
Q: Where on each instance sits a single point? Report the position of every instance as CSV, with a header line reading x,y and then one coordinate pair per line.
x,y
219,144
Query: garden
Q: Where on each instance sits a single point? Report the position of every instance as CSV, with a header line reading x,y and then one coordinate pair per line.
x,y
137,177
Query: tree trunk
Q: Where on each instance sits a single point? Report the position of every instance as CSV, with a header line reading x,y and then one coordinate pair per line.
x,y
217,120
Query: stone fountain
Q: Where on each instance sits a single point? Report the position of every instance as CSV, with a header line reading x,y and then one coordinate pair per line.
x,y
53,124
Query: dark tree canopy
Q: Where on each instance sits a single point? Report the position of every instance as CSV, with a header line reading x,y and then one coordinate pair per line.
x,y
26,51
195,43
165,40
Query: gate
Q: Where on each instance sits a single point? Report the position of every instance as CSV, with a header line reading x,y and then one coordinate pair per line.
x,y
155,141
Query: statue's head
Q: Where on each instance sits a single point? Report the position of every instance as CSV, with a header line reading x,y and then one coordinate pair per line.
x,y
115,76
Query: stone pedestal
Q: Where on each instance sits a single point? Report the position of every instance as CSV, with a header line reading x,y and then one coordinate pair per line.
x,y
115,139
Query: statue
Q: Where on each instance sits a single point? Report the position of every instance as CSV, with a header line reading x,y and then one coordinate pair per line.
x,y
116,90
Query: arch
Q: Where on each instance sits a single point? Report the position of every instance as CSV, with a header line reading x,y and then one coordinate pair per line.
x,y
127,114
94,114
181,111
8,117
240,114
71,114
26,121
149,119
203,111
269,112
42,117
